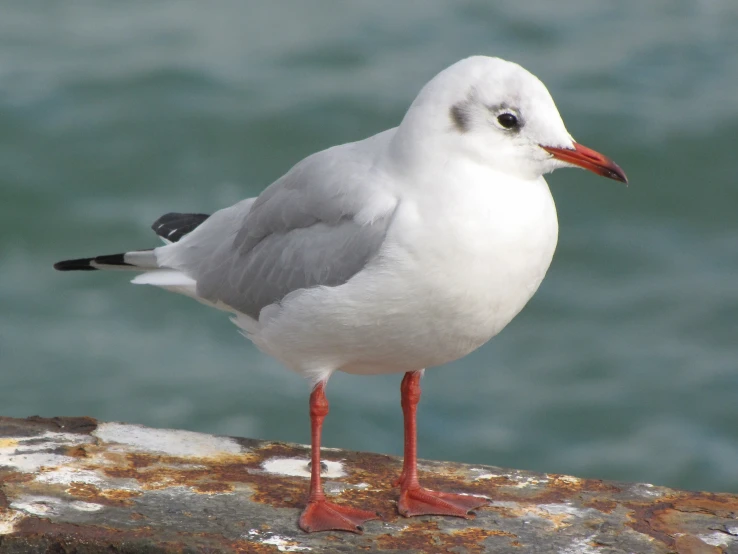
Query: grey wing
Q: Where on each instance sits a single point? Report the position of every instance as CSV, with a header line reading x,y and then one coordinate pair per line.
x,y
321,254
300,233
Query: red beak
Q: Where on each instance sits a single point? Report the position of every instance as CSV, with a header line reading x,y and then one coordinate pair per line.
x,y
588,159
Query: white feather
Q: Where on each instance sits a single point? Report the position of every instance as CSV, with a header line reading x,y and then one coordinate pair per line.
x,y
174,281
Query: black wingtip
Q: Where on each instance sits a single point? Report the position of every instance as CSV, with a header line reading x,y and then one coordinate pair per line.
x,y
81,264
173,226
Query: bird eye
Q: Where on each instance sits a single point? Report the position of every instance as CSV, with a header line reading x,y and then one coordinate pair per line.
x,y
507,120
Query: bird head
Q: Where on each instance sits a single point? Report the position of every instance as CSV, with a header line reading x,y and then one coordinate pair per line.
x,y
499,114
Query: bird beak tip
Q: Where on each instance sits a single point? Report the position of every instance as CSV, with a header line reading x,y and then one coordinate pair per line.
x,y
589,159
618,175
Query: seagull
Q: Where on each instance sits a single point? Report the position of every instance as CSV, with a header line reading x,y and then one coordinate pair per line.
x,y
400,252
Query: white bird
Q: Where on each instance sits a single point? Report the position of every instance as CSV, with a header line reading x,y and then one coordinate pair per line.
x,y
399,252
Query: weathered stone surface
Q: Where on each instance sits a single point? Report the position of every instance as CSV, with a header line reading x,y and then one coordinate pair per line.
x,y
78,485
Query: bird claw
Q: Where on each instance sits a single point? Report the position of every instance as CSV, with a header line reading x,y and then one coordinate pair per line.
x,y
421,502
321,515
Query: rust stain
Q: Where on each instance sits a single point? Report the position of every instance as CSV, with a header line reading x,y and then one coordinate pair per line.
x,y
665,520
109,497
291,492
721,505
213,488
80,425
158,472
139,461
76,451
450,482
43,527
560,489
644,518
67,537
489,483
17,477
279,491
556,489
558,520
689,544
507,512
604,506
425,536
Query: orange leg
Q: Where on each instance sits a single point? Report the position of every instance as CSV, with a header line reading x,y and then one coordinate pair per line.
x,y
414,499
319,514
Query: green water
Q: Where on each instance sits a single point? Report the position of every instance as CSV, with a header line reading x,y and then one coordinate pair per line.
x,y
623,366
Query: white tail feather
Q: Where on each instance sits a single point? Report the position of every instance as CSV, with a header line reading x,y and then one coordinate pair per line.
x,y
172,280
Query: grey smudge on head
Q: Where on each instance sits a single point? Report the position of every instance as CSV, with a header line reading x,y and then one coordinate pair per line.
x,y
461,112
460,116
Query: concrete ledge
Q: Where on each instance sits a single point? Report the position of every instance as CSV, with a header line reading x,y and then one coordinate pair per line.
x,y
78,485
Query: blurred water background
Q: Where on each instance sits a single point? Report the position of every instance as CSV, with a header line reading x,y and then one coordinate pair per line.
x,y
623,366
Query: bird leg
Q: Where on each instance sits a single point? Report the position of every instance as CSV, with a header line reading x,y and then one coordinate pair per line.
x,y
414,499
319,514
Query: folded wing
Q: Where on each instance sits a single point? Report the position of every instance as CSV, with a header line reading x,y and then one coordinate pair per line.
x,y
318,225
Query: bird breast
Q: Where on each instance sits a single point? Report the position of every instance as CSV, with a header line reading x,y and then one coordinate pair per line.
x,y
474,258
